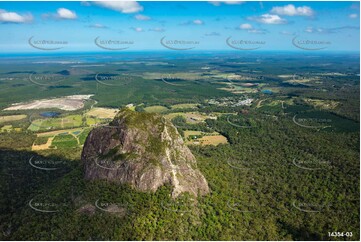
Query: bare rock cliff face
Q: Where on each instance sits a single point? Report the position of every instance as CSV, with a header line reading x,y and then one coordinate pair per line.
x,y
143,150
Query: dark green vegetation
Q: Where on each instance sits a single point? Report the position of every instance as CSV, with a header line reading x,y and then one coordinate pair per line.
x,y
289,172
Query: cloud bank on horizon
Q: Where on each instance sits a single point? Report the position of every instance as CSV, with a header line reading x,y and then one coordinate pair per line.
x,y
209,24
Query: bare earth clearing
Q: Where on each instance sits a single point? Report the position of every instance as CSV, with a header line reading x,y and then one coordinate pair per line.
x,y
68,103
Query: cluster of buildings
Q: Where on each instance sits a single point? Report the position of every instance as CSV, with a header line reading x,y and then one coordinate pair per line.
x,y
230,102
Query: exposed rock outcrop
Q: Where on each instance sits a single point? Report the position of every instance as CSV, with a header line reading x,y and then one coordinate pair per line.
x,y
143,150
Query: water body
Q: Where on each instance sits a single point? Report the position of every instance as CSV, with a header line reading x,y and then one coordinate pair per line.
x,y
50,114
267,92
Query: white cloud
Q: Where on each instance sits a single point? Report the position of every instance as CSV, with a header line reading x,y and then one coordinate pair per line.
x,y
218,3
12,17
269,19
64,13
250,29
98,26
313,30
120,6
291,10
245,26
142,17
213,34
309,30
137,29
256,31
198,22
319,30
157,29
353,15
284,32
193,22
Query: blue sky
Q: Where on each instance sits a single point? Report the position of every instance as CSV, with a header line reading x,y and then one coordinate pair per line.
x,y
207,25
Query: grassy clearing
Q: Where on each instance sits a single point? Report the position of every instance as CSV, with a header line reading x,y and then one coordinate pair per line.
x,y
64,141
90,121
184,105
191,117
57,123
11,118
69,138
238,89
35,125
102,113
91,118
53,133
173,115
178,75
190,133
6,128
201,138
155,109
213,140
322,104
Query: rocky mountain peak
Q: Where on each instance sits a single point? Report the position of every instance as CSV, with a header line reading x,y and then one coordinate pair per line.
x,y
145,151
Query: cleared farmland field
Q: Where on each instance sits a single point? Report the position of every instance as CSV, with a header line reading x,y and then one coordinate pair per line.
x,y
155,109
11,118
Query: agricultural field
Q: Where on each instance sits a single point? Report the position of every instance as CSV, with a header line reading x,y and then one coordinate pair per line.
x,y
64,141
238,89
213,139
191,134
322,104
191,117
61,139
66,122
201,138
185,106
91,118
6,128
173,76
10,118
102,113
156,109
9,128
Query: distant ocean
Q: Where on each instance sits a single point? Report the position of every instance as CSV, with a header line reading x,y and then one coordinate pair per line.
x,y
111,56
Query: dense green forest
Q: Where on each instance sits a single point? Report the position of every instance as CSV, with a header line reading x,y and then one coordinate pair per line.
x,y
274,181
